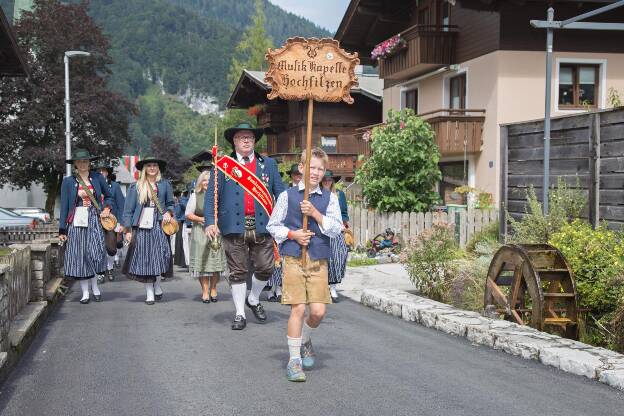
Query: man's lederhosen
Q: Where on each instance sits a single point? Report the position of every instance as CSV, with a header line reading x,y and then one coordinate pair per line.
x,y
249,247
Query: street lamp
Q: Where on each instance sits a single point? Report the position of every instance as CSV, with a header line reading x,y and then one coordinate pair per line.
x,y
68,55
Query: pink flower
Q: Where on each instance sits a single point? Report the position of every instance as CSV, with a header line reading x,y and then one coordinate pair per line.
x,y
402,125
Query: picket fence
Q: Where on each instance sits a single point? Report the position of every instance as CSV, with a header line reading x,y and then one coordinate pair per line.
x,y
366,223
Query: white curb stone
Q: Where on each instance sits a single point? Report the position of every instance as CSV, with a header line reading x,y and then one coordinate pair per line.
x,y
567,355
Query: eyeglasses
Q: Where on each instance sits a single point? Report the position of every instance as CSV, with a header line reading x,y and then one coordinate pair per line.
x,y
245,138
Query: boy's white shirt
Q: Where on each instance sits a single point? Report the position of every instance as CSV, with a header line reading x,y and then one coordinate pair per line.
x,y
332,220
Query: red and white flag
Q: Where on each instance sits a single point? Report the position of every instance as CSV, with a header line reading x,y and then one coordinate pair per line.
x,y
129,162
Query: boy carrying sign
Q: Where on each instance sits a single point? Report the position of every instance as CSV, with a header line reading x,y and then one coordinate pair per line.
x,y
305,284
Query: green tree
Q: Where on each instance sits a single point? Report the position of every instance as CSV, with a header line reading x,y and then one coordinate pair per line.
x,y
32,113
403,168
252,48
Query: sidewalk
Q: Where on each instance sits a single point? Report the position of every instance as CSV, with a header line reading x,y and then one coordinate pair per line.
x,y
381,276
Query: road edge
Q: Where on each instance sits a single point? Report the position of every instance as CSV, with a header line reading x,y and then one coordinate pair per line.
x,y
567,355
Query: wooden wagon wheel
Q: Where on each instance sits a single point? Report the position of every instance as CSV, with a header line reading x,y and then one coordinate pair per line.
x,y
532,284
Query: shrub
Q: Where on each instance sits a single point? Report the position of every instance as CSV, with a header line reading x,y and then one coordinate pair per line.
x,y
597,261
428,260
484,242
565,204
403,168
467,284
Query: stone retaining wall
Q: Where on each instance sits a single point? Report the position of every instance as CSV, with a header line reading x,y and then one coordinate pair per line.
x,y
41,263
567,355
4,307
17,278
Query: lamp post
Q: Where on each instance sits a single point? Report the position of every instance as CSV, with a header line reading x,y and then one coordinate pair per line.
x,y
68,55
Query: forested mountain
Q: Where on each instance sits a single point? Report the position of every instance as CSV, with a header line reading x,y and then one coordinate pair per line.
x,y
175,47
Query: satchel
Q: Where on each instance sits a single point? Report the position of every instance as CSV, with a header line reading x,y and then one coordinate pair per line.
x,y
108,223
172,227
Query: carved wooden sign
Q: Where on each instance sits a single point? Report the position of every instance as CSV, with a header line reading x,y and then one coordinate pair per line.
x,y
313,68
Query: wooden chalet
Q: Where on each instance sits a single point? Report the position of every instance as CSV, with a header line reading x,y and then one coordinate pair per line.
x,y
334,128
468,66
12,62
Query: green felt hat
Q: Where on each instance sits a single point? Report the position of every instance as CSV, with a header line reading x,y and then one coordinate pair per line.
x,y
150,159
229,133
81,154
294,169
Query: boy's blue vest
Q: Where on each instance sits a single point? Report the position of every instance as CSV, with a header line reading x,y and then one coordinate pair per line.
x,y
319,243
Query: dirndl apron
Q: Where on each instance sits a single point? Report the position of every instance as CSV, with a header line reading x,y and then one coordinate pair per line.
x,y
203,260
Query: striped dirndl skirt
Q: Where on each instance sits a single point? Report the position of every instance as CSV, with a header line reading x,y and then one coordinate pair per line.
x,y
337,264
151,256
85,253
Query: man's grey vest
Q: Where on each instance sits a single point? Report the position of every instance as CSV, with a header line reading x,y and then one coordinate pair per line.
x,y
319,243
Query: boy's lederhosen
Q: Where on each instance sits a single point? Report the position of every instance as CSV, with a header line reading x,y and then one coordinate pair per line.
x,y
305,284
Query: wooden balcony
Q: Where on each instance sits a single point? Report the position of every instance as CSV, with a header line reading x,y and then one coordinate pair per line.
x,y
427,47
457,131
342,164
272,120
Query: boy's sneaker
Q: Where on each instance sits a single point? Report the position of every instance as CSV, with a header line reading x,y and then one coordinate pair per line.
x,y
294,370
307,355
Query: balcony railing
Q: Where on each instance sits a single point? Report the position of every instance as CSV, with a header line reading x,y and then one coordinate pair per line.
x,y
427,47
340,163
458,131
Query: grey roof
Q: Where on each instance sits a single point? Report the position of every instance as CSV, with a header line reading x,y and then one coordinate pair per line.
x,y
370,85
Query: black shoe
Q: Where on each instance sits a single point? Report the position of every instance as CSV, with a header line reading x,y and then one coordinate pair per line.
x,y
100,278
206,300
257,310
98,298
272,298
111,277
335,299
239,323
85,301
279,299
158,297
214,298
149,302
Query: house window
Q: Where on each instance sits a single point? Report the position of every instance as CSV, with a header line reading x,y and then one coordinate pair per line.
x,y
329,144
453,176
578,85
411,100
457,91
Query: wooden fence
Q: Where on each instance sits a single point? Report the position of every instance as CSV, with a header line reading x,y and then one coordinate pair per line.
x,y
366,224
587,147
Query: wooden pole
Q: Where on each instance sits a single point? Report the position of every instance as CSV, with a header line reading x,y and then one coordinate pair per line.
x,y
306,192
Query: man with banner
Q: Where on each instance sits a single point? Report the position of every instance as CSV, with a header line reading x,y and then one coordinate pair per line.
x,y
247,185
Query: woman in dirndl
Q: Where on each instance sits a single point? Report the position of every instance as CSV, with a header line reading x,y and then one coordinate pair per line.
x,y
206,262
148,203
79,227
337,264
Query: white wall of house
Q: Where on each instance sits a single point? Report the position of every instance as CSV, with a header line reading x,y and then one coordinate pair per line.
x,y
509,85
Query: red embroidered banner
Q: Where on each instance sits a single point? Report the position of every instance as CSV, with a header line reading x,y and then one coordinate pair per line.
x,y
248,180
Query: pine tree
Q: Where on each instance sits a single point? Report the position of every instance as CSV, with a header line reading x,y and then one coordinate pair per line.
x,y
252,48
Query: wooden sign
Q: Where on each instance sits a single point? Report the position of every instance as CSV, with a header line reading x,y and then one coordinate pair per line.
x,y
316,69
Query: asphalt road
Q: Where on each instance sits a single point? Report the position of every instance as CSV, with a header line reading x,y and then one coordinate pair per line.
x,y
179,357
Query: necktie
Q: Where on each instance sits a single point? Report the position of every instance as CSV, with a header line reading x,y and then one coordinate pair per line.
x,y
246,160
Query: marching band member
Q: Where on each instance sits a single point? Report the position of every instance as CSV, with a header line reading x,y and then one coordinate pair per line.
x,y
106,171
242,222
206,262
79,226
305,283
149,202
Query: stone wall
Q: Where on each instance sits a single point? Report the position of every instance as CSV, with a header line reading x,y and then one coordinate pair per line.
x,y
17,277
41,264
4,307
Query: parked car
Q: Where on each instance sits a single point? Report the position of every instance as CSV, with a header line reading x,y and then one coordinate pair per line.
x,y
33,212
11,219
